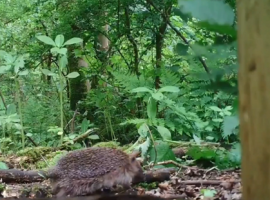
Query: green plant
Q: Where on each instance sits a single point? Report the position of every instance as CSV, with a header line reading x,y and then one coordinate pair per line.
x,y
59,49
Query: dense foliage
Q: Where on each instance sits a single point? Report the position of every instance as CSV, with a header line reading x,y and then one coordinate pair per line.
x,y
165,74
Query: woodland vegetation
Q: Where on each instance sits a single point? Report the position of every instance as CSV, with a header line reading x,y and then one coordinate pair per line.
x,y
154,75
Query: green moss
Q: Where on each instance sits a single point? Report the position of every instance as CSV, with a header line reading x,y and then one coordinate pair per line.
x,y
34,153
111,144
51,158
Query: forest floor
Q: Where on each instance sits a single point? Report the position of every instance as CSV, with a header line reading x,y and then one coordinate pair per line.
x,y
195,183
187,183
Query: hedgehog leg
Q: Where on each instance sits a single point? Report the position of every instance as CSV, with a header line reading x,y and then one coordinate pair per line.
x,y
81,187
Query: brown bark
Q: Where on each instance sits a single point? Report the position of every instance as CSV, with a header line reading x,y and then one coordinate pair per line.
x,y
18,176
254,98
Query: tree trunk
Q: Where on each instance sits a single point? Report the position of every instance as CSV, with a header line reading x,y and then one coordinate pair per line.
x,y
77,87
254,96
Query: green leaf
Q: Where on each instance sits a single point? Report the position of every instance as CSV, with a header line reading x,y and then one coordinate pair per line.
x,y
235,153
23,73
164,152
45,39
140,89
19,62
164,132
208,193
230,124
158,96
217,120
143,130
151,108
73,75
169,89
196,139
235,109
11,109
145,146
55,50
84,125
211,11
59,40
3,165
215,108
93,137
181,49
4,69
48,72
73,41
63,51
29,134
63,61
222,29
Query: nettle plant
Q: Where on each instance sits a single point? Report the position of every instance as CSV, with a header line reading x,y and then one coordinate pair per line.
x,y
153,122
60,52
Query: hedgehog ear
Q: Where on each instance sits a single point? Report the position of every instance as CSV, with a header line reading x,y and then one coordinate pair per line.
x,y
134,154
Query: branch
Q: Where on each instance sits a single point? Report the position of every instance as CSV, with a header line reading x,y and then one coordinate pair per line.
x,y
178,34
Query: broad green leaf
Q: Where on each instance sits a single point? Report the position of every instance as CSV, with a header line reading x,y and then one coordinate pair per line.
x,y
73,41
3,53
143,130
18,126
19,62
151,108
208,193
63,51
196,139
217,120
4,69
211,11
164,132
228,113
16,69
141,89
215,108
63,61
210,138
181,49
235,153
221,29
59,40
230,124
169,89
48,72
46,40
145,146
3,165
29,134
164,152
73,75
23,73
228,108
158,96
93,137
55,50
60,133
11,109
84,125
9,58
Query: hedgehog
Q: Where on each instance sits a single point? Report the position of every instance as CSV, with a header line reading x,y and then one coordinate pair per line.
x,y
86,171
129,197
